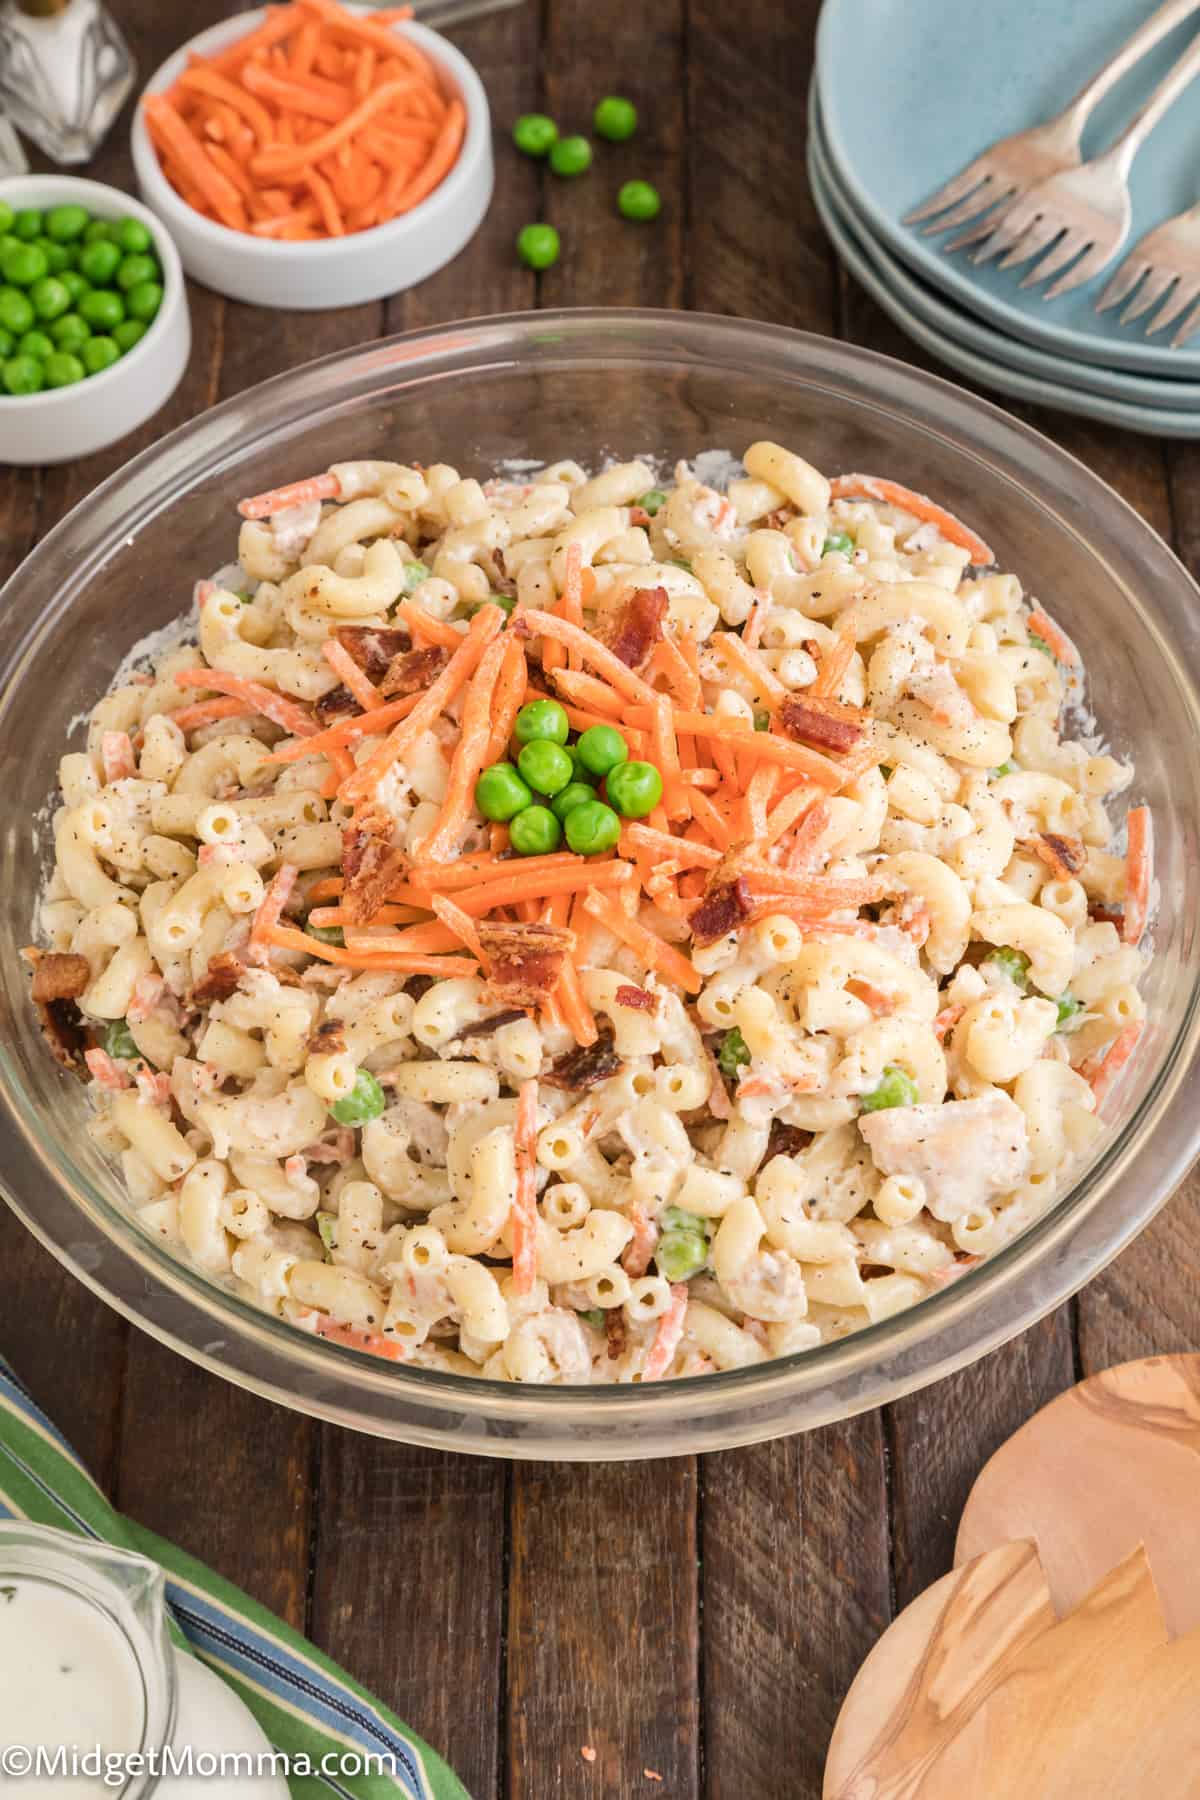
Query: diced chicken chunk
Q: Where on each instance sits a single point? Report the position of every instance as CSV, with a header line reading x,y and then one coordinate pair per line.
x,y
964,1152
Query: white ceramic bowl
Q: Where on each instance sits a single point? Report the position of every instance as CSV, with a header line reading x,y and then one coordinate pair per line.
x,y
363,265
60,424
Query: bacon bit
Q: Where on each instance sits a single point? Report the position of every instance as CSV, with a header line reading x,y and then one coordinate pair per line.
x,y
640,1247
946,1020
337,705
881,1004
116,756
270,910
1064,856
353,678
523,1223
825,724
148,991
104,1071
638,998
617,1338
727,903
526,960
786,1140
666,1339
587,1751
488,1027
583,1068
412,671
373,647
372,1342
1053,636
58,1015
633,630
1139,870
371,867
220,979
1101,1071
58,975
1105,915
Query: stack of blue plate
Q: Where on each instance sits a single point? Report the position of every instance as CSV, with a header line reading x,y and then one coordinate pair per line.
x,y
906,92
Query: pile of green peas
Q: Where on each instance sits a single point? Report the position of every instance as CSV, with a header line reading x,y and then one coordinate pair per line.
x,y
565,775
537,135
76,294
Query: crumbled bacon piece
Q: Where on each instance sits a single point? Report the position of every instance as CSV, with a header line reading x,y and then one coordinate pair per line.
x,y
486,1027
413,671
775,521
1064,856
727,903
371,865
337,704
1105,915
824,724
329,1038
58,975
526,960
614,1331
786,1140
636,627
638,998
220,979
584,1067
373,648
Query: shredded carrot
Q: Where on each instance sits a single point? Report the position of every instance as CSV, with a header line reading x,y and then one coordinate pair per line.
x,y
1139,872
169,131
640,1247
201,80
1053,636
666,755
834,665
892,493
752,630
424,625
946,1020
729,736
471,871
351,676
804,849
390,961
710,817
277,500
433,936
588,690
652,950
461,924
348,732
532,622
372,1343
678,672
278,893
523,1221
437,166
666,1338
470,757
747,662
759,789
525,886
1100,1072
573,1008
689,854
508,699
276,707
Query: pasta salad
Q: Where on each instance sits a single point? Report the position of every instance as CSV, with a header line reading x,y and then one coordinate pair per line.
x,y
568,928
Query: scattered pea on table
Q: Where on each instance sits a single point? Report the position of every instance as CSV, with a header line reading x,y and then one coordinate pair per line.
x,y
534,134
537,246
638,200
571,156
615,118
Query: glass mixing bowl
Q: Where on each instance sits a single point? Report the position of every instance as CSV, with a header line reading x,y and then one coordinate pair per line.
x,y
586,385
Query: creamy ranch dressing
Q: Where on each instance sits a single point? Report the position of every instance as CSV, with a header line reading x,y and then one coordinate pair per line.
x,y
67,1676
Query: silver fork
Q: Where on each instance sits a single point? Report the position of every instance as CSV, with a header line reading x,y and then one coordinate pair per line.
x,y
1008,169
1166,259
1080,217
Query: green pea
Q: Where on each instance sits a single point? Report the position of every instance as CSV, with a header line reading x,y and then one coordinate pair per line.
x,y
635,788
535,832
680,562
683,1244
23,265
591,828
128,333
50,298
414,574
144,300
571,156
65,223
541,719
70,331
74,283
119,1043
135,269
1006,768
57,256
534,134
63,369
98,232
27,223
16,313
538,246
579,772
601,748
36,343
1013,964
7,344
364,1102
733,1055
500,794
546,767
505,602
99,261
762,721
6,217
102,309
895,1089
594,1317
326,934
615,118
638,200
133,237
1068,1006
576,793
838,543
652,501
24,375
99,353
1037,643
327,1229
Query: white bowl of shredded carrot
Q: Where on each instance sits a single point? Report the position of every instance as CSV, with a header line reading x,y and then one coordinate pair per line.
x,y
310,155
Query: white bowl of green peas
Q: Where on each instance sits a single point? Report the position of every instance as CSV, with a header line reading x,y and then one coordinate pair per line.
x,y
94,325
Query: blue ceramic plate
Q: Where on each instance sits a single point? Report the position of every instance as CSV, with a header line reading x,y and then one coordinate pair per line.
x,y
985,370
913,89
950,321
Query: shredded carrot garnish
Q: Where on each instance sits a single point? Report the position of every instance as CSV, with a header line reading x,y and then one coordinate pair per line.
x,y
640,1248
1053,636
388,961
507,700
523,1222
1100,1072
653,951
804,849
296,493
747,662
688,854
1139,872
278,893
587,690
573,1008
348,732
729,736
666,755
351,676
532,886
274,706
752,630
893,493
424,625
533,622
373,1343
470,757
666,1338
471,871
461,924
834,664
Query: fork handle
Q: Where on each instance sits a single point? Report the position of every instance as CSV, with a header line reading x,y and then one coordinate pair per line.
x,y
1171,13
1123,150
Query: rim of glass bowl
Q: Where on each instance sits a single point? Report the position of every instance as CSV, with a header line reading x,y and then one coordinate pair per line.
x,y
1084,1229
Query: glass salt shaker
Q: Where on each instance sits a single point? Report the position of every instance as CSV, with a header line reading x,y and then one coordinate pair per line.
x,y
65,70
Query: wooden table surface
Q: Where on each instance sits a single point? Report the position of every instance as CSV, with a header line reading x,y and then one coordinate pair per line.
x,y
701,1617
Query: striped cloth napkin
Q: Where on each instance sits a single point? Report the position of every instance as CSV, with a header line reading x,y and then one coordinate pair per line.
x,y
307,1706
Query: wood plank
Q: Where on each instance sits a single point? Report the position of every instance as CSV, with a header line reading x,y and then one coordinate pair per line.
x,y
603,1624
1147,1302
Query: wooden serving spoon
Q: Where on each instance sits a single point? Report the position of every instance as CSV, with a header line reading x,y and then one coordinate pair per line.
x,y
1110,1464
